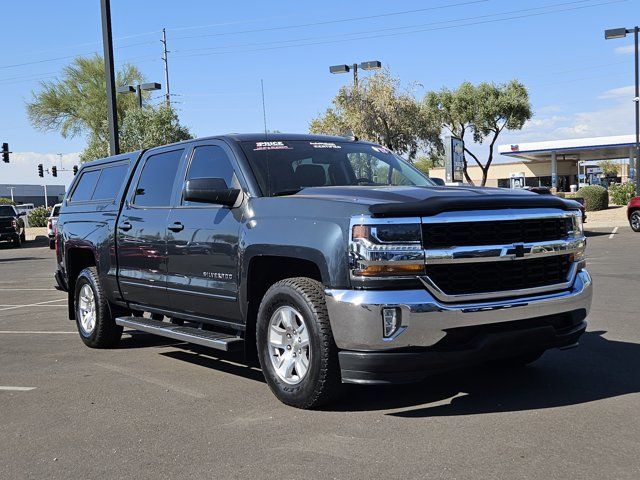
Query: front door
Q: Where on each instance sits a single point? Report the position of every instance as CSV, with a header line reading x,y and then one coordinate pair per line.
x,y
202,243
142,230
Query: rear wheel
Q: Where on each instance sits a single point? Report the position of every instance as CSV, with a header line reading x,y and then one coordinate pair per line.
x,y
296,349
634,220
94,319
23,237
17,242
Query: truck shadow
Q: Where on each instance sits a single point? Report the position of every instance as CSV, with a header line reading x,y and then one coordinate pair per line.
x,y
597,369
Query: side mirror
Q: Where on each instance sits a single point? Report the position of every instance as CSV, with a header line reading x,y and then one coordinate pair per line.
x,y
22,214
210,190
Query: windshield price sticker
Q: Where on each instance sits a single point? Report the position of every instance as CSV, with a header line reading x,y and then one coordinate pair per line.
x,y
324,145
271,146
380,149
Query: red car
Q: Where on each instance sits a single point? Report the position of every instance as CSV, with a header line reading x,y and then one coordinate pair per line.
x,y
633,213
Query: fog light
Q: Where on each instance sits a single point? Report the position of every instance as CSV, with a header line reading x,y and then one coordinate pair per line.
x,y
390,321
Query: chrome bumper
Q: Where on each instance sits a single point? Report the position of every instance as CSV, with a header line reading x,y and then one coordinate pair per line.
x,y
356,315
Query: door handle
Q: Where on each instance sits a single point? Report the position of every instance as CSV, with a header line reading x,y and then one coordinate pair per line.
x,y
125,226
176,227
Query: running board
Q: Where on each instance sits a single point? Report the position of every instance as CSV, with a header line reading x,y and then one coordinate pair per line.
x,y
206,338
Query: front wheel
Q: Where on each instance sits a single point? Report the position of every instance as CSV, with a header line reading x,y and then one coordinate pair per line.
x,y
95,322
296,349
634,220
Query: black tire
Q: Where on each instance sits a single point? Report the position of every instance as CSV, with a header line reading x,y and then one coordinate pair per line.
x,y
23,237
52,244
517,361
105,333
322,383
634,220
17,242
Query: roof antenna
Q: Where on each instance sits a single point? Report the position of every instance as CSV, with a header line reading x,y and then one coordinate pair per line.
x,y
264,117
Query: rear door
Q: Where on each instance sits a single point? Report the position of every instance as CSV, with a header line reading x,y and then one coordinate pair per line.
x,y
203,241
142,229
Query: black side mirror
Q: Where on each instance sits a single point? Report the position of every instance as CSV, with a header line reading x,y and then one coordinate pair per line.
x,y
438,181
210,190
22,214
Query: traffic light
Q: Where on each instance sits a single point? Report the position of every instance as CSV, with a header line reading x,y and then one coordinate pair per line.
x,y
5,152
75,170
54,171
40,170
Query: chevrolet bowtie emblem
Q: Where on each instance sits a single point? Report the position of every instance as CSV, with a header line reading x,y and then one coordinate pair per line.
x,y
518,250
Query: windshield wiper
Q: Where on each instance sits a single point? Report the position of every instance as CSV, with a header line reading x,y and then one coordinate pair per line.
x,y
290,191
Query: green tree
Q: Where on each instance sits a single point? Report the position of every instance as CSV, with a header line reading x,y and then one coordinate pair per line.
x,y
609,168
484,110
75,103
142,128
6,201
379,110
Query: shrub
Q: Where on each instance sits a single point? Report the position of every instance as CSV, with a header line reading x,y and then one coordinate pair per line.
x,y
622,193
38,216
6,201
595,197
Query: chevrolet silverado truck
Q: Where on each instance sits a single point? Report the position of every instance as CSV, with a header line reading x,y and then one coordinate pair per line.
x,y
12,225
327,259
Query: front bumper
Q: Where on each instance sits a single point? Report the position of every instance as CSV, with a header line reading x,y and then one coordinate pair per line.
x,y
427,326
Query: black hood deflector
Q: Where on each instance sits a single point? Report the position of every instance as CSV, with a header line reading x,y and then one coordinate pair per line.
x,y
437,204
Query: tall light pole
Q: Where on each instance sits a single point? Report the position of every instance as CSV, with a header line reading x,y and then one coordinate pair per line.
x,y
107,45
621,33
138,89
372,65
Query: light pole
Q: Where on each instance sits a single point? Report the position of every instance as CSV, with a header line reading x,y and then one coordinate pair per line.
x,y
138,89
372,65
11,189
621,33
107,45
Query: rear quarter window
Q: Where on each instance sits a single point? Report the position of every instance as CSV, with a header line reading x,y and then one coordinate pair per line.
x,y
86,185
109,183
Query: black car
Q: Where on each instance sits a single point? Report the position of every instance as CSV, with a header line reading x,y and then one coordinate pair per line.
x,y
11,225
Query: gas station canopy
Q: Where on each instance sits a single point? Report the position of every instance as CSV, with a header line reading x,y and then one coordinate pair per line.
x,y
577,149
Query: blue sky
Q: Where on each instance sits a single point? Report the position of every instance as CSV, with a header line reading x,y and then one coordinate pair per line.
x,y
580,84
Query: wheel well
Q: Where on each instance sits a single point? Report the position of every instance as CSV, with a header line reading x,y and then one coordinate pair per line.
x,y
77,260
631,210
263,272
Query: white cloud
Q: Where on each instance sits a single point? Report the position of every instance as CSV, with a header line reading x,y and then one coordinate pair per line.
x,y
620,92
23,168
625,50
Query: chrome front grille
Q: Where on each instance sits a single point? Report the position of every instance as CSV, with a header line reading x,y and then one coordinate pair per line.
x,y
496,254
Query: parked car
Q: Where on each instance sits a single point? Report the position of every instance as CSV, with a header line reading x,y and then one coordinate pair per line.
x,y
12,225
633,213
330,259
51,225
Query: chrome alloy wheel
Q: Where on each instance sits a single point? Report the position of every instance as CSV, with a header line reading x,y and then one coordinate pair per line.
x,y
635,221
87,309
289,347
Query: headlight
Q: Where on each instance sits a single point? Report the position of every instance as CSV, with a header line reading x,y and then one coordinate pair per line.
x,y
386,248
578,229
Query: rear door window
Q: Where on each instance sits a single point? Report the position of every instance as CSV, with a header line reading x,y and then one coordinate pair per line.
x,y
86,185
110,182
155,185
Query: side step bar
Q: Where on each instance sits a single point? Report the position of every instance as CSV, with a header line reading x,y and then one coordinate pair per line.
x,y
206,338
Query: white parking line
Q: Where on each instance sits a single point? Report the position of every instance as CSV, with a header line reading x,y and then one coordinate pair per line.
x,y
16,389
33,304
613,233
16,305
28,290
32,332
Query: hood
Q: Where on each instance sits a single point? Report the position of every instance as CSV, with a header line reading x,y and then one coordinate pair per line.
x,y
419,201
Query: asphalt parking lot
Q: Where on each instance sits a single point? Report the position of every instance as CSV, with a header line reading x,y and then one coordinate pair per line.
x,y
153,408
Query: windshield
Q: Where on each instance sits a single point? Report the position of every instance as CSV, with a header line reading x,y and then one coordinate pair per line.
x,y
7,211
283,167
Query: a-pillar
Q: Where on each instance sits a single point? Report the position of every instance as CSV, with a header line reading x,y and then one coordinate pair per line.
x,y
554,171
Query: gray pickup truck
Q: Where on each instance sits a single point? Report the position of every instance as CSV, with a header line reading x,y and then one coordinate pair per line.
x,y
327,259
